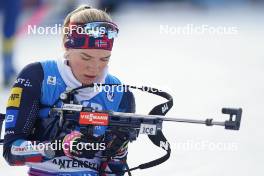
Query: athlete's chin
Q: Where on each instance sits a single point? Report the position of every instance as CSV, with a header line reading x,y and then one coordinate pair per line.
x,y
88,81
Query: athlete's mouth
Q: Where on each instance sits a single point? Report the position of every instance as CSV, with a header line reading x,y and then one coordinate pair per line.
x,y
90,76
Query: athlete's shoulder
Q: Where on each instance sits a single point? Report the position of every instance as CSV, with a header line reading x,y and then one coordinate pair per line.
x,y
32,67
32,71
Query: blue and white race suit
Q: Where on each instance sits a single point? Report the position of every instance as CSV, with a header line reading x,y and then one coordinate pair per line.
x,y
36,89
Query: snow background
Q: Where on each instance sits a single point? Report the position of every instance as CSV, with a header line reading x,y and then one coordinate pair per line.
x,y
203,72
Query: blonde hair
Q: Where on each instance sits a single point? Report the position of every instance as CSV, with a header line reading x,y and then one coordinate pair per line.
x,y
85,14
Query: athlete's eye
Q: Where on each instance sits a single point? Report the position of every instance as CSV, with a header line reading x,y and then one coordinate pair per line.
x,y
86,58
105,59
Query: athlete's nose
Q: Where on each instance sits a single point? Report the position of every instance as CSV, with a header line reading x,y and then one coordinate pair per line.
x,y
94,66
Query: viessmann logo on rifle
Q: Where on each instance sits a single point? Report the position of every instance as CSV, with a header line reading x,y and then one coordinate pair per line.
x,y
93,118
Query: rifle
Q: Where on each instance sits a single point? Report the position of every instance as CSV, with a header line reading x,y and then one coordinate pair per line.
x,y
145,124
150,124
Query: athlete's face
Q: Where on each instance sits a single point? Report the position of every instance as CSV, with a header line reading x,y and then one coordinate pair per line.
x,y
88,64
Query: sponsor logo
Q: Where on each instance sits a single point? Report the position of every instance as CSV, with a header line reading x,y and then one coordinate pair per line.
x,y
110,96
11,118
68,163
22,148
24,82
148,129
9,132
15,97
165,145
164,108
19,149
51,80
72,107
93,118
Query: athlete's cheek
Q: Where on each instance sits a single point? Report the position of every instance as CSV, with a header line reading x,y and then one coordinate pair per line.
x,y
102,67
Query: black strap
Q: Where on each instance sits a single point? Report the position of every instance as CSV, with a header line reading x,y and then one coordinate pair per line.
x,y
157,139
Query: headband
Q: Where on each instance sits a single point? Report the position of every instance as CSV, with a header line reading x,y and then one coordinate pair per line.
x,y
93,35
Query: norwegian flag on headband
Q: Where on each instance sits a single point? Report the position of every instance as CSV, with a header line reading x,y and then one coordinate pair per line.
x,y
94,35
101,43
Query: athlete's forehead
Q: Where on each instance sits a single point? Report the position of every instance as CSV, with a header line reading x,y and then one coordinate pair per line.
x,y
90,53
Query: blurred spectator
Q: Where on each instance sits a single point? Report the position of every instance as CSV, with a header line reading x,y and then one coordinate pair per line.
x,y
11,10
